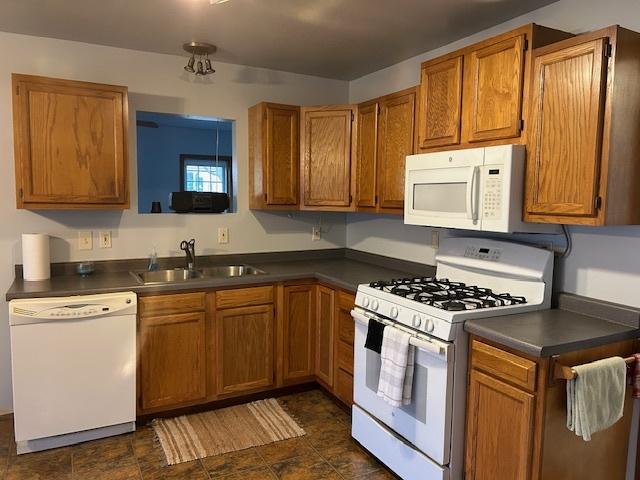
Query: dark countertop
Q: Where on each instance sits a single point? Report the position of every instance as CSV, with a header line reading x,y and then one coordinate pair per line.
x,y
341,269
576,324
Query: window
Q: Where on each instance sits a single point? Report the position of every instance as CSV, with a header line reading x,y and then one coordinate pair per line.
x,y
205,173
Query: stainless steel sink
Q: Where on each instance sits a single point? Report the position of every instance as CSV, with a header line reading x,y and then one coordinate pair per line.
x,y
184,275
223,271
167,276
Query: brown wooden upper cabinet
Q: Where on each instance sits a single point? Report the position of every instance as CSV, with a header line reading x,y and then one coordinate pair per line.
x,y
328,174
479,94
70,142
440,102
385,137
274,156
583,163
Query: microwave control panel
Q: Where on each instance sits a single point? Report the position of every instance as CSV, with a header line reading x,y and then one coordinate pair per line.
x,y
492,200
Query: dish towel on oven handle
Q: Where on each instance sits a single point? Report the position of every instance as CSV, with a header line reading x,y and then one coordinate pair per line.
x,y
396,370
595,397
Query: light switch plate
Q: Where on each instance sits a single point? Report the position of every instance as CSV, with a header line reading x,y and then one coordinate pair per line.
x,y
105,239
223,235
316,233
85,240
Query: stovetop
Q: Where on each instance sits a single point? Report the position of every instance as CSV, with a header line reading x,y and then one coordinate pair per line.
x,y
447,295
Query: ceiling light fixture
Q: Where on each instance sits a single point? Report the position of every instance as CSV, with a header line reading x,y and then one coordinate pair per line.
x,y
200,52
217,2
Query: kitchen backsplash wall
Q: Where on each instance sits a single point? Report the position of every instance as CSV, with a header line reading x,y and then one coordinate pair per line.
x,y
604,262
156,83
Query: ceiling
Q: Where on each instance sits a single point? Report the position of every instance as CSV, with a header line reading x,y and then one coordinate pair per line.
x,y
342,39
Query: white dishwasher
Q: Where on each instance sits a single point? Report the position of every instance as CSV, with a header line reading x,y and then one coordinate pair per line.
x,y
73,361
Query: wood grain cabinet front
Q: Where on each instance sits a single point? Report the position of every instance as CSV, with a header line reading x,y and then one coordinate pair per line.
x,y
583,160
386,135
517,417
245,349
328,173
70,141
478,95
298,330
274,156
439,118
325,308
172,360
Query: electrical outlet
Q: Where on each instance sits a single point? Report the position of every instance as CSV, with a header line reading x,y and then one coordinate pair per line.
x,y
223,235
105,239
85,241
435,238
316,233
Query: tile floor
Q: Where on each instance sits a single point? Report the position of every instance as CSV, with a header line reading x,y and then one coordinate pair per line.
x,y
325,453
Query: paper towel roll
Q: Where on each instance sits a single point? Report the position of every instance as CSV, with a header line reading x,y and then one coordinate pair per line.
x,y
35,257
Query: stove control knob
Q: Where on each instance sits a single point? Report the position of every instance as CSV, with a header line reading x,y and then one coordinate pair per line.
x,y
374,305
394,312
365,302
416,321
430,325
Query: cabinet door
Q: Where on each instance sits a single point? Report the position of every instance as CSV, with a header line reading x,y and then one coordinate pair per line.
x,y
299,331
172,360
440,103
499,430
493,109
326,157
245,345
564,162
344,335
282,154
324,334
70,144
395,142
366,153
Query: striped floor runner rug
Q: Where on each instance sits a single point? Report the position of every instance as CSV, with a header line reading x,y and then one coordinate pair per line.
x,y
200,435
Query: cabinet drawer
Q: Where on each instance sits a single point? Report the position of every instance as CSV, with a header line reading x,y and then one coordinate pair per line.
x,y
507,366
344,386
170,304
345,357
244,297
346,328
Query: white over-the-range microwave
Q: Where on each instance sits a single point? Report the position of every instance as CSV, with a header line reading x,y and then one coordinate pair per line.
x,y
472,189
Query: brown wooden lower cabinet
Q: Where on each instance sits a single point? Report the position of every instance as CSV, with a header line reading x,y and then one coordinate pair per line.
x,y
344,336
516,419
298,331
201,347
245,348
172,360
325,320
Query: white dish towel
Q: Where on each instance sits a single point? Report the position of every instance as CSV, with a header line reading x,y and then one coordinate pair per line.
x,y
595,397
396,370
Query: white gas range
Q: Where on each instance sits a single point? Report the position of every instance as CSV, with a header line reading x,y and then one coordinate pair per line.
x,y
474,278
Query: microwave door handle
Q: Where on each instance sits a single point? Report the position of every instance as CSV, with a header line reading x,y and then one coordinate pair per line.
x,y
472,201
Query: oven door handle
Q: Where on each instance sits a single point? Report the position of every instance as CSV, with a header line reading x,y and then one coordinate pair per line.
x,y
432,346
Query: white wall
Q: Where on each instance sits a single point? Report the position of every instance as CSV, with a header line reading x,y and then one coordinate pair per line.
x,y
156,83
605,262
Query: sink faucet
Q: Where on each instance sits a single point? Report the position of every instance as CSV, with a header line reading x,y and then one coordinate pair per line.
x,y
189,248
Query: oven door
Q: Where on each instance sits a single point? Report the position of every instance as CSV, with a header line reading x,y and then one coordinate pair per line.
x,y
426,422
441,189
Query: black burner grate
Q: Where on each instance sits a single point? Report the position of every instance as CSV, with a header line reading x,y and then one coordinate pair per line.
x,y
441,293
